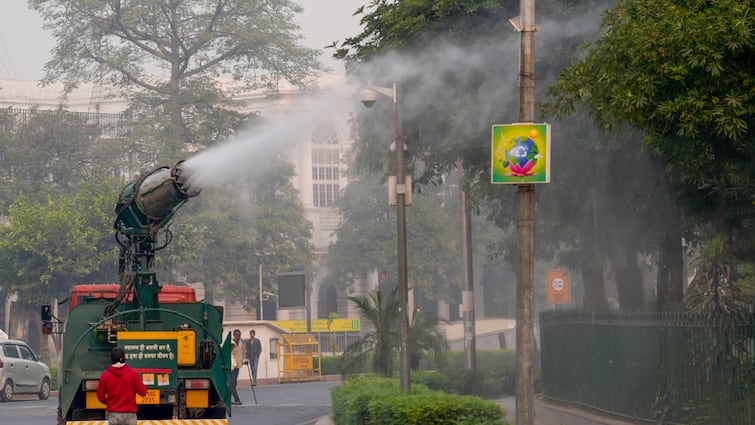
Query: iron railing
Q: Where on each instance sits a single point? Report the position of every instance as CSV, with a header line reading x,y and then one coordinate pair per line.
x,y
653,368
336,342
108,125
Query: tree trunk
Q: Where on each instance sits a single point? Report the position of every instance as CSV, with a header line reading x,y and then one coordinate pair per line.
x,y
629,283
670,283
594,298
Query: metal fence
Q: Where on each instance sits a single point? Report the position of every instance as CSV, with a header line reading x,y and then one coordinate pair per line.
x,y
655,368
336,342
108,125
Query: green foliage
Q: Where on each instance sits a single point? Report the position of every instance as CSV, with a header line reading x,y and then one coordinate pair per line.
x,y
50,246
46,152
403,25
168,56
372,400
426,339
434,408
681,72
54,376
350,399
366,240
713,290
276,234
434,380
331,365
380,341
496,370
690,94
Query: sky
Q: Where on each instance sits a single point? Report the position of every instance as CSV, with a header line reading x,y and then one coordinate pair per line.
x,y
25,46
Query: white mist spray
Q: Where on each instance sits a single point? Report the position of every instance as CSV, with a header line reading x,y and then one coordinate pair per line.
x,y
251,152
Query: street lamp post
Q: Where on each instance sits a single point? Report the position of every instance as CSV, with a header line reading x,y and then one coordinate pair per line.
x,y
262,311
368,98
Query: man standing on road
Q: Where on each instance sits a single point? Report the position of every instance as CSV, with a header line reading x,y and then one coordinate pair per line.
x,y
119,385
237,359
253,350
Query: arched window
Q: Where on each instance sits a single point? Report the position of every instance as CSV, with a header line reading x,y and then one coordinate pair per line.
x,y
326,160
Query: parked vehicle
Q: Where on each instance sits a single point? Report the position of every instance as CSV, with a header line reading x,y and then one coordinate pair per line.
x,y
21,371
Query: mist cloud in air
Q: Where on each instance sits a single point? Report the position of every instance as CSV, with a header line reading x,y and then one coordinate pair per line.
x,y
435,77
252,152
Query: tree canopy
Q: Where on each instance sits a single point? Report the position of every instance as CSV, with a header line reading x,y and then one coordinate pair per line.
x,y
173,52
225,235
683,73
49,246
606,185
366,240
47,152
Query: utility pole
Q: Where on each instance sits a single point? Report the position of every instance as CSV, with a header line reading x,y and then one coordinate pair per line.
x,y
401,189
402,199
467,296
262,311
525,335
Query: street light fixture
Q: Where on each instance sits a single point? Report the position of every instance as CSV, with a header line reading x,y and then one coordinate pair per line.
x,y
368,98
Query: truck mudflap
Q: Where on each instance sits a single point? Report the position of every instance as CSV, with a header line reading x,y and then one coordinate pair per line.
x,y
160,422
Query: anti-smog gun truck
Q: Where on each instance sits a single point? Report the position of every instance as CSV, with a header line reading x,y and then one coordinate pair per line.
x,y
175,345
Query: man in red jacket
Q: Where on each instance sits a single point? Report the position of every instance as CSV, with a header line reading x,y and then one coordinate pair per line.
x,y
118,387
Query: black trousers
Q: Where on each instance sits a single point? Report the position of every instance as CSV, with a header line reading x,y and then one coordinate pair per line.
x,y
234,381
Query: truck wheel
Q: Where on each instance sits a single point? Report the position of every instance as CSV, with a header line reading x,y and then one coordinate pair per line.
x,y
6,393
44,390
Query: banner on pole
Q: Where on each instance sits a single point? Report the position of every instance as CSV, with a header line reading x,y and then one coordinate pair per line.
x,y
520,153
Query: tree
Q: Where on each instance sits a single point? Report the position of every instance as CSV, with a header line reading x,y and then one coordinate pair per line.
x,y
47,151
366,240
380,341
681,73
225,235
425,339
172,52
604,209
713,290
49,246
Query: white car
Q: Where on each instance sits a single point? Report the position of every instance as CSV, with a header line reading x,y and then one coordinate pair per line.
x,y
21,371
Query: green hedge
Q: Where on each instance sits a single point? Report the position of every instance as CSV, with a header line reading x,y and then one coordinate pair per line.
x,y
494,378
54,376
371,400
434,408
496,370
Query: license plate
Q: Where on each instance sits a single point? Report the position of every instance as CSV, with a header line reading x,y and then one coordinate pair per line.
x,y
152,397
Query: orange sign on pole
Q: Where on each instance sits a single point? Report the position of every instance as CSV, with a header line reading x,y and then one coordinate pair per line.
x,y
558,287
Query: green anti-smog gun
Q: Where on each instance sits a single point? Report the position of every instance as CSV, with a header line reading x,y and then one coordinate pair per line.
x,y
172,340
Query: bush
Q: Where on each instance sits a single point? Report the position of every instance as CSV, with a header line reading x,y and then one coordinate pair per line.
x,y
54,378
330,364
496,370
431,379
379,401
434,408
350,399
495,377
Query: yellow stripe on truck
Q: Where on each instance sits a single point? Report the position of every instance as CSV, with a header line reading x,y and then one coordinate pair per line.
x,y
161,422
